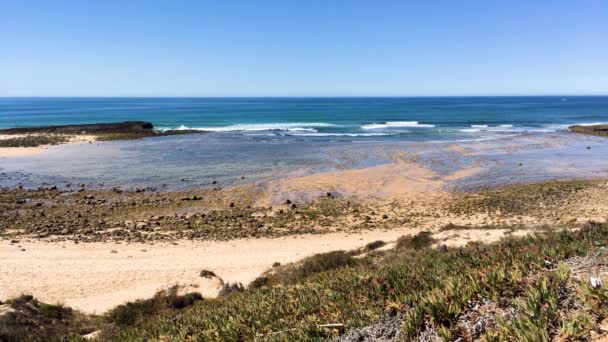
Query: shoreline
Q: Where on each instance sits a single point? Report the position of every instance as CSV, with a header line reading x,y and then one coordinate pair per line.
x,y
35,140
8,152
95,249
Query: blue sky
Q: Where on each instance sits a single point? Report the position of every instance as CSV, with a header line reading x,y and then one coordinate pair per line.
x,y
302,48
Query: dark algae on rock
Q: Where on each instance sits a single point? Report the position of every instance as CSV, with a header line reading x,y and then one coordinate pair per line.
x,y
599,130
33,141
102,131
97,128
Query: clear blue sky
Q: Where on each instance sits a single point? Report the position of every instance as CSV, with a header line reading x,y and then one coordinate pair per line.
x,y
302,48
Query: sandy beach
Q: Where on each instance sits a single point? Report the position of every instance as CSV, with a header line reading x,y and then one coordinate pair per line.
x,y
29,151
95,277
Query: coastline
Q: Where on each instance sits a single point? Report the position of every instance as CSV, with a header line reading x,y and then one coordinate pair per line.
x,y
36,140
6,152
93,249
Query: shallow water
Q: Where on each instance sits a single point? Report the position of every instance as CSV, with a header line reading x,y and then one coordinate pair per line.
x,y
192,161
267,138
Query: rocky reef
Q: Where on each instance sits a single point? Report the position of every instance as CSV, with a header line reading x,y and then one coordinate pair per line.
x,y
102,131
600,130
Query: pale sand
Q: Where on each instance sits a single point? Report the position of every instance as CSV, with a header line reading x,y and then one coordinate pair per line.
x,y
6,152
91,278
404,179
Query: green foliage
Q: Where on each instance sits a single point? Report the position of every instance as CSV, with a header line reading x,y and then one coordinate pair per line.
x,y
595,297
574,325
163,301
31,320
431,286
307,267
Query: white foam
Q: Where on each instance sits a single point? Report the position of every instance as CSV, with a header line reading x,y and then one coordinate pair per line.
x,y
297,126
479,126
396,124
302,129
508,128
341,134
590,124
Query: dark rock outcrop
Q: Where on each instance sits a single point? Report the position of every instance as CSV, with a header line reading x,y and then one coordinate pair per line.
x,y
98,128
600,130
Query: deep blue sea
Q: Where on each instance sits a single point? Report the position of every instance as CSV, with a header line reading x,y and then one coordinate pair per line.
x,y
514,139
402,118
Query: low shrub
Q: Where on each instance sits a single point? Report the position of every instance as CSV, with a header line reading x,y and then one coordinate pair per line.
x,y
162,302
374,245
31,320
416,242
325,294
231,288
312,265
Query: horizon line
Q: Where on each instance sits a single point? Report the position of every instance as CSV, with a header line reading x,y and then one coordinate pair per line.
x,y
296,96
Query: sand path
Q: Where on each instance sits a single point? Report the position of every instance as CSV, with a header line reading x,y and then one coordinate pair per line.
x,y
95,277
92,278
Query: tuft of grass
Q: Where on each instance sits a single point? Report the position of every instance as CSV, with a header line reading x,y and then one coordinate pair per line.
x,y
419,241
31,320
312,265
231,288
163,302
374,245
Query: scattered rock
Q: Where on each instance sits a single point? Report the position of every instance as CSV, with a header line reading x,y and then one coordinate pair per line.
x,y
207,274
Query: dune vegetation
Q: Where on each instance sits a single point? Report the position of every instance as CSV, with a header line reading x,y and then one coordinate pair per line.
x,y
535,288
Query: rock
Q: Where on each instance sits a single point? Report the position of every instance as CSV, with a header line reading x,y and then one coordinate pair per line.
x,y
5,309
600,130
207,274
92,336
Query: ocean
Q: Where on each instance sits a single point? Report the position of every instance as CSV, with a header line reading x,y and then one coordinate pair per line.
x,y
421,118
515,139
